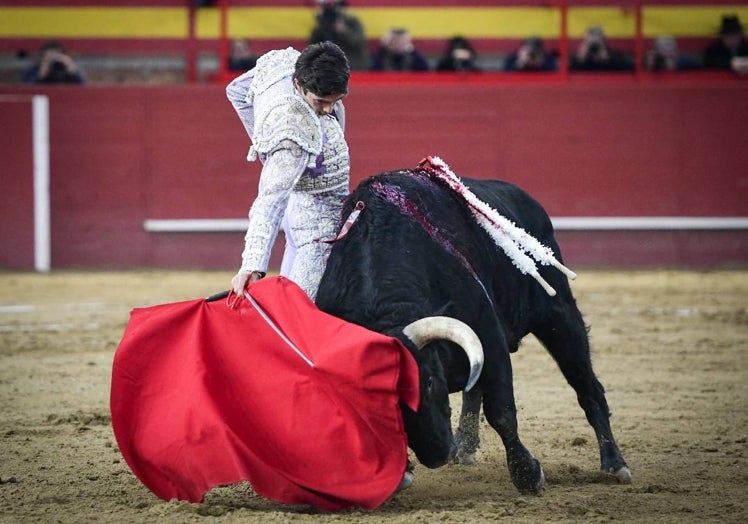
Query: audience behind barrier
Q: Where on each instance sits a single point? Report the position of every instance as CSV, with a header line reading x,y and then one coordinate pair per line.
x,y
54,66
594,54
458,56
334,23
664,56
241,57
397,52
531,56
730,50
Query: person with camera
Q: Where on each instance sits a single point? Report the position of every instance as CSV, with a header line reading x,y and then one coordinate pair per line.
x,y
54,67
334,23
594,54
730,50
531,56
241,56
398,53
459,56
665,56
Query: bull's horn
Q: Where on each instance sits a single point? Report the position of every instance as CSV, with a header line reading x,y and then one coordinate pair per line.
x,y
428,329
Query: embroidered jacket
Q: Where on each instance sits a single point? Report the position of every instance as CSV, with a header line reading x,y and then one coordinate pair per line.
x,y
300,150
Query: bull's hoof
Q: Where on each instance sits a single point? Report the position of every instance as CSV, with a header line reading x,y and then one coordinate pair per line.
x,y
621,476
407,481
467,441
529,482
537,486
465,459
464,452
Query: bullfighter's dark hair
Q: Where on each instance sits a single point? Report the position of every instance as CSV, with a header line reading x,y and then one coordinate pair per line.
x,y
323,69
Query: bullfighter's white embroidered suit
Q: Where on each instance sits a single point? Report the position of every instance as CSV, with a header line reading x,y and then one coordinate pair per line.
x,y
305,174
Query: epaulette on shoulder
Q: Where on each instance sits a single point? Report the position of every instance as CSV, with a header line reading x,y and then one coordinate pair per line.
x,y
287,118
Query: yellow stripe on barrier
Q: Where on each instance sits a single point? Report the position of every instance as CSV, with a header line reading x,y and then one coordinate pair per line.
x,y
473,22
258,22
615,21
688,21
296,22
93,22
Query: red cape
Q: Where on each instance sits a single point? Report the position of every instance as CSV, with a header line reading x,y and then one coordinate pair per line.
x,y
205,395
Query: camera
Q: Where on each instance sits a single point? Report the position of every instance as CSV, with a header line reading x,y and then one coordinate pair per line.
x,y
659,63
594,48
329,15
57,72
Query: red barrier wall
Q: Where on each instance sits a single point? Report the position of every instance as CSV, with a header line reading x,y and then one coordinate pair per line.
x,y
17,210
589,147
592,147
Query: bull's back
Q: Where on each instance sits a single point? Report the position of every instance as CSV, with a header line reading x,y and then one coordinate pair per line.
x,y
414,238
398,259
514,203
508,199
416,250
399,201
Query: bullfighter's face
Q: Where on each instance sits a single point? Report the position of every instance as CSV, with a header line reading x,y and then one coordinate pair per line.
x,y
322,105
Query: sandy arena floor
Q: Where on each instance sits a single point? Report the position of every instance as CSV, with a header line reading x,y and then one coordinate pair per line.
x,y
671,348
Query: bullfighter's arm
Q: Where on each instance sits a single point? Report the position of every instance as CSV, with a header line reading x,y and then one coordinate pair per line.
x,y
280,172
237,92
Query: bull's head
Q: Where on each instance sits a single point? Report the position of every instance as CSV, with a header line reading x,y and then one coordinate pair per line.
x,y
430,428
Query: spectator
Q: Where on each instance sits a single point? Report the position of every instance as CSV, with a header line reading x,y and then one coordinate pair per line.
x,y
333,23
241,56
397,53
730,50
594,54
459,56
531,56
54,67
665,56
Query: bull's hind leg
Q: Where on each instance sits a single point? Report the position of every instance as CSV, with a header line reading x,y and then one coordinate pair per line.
x,y
467,435
565,337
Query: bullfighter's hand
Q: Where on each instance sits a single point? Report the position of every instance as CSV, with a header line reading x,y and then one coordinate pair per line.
x,y
243,278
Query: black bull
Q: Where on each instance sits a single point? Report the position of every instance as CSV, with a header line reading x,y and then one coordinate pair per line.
x,y
416,251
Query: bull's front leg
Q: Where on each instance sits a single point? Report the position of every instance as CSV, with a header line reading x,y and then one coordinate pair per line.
x,y
501,413
467,435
